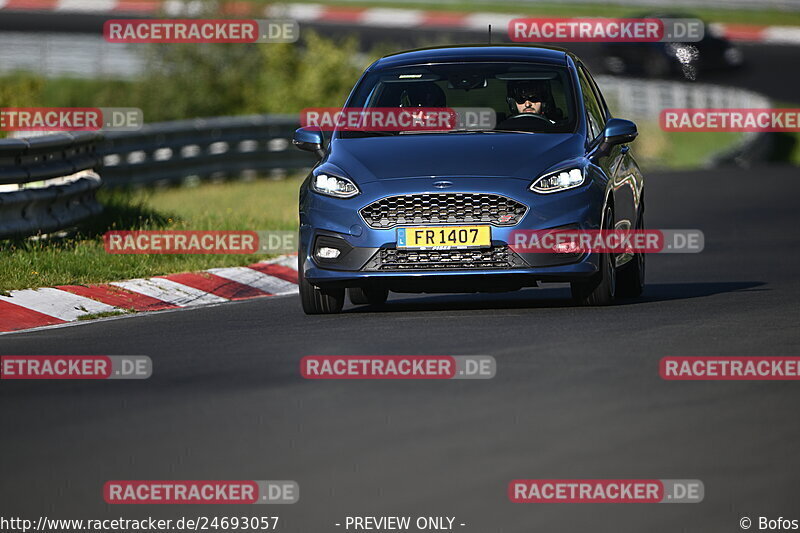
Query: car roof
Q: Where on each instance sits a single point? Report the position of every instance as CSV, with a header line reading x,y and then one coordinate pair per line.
x,y
476,52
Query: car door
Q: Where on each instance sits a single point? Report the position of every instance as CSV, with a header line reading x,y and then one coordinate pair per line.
x,y
628,172
617,162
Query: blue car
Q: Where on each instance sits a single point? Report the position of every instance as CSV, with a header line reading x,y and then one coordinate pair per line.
x,y
429,211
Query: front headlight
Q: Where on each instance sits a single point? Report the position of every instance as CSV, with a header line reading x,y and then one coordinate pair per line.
x,y
334,186
559,181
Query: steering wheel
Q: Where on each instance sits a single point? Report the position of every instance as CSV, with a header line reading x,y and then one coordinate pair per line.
x,y
530,115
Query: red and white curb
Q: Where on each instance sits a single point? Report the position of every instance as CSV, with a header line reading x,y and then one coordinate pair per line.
x,y
365,16
34,308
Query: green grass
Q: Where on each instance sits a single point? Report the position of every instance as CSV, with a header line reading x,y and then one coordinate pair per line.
x,y
545,9
679,150
92,316
795,155
656,149
786,145
81,259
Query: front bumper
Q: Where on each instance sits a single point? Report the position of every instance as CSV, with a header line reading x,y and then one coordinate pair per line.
x,y
369,256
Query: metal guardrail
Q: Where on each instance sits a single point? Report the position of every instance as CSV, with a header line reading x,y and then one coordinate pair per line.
x,y
50,156
48,196
189,150
33,165
73,54
645,99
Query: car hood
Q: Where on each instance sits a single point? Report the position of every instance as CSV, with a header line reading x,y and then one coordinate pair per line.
x,y
514,155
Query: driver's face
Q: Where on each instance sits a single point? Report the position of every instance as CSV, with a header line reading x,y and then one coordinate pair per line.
x,y
529,107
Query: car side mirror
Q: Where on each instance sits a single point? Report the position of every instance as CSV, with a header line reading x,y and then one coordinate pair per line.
x,y
619,131
309,139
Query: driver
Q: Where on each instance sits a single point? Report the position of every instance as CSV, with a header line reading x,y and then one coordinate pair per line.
x,y
528,96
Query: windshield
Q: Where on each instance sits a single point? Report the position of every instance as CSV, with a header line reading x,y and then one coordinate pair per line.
x,y
524,97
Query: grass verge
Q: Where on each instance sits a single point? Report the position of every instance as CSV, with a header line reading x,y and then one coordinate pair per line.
x,y
80,258
92,316
679,150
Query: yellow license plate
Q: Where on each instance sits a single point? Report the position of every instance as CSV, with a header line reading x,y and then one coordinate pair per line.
x,y
444,237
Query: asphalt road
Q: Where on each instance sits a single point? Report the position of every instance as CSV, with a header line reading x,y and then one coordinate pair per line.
x,y
577,393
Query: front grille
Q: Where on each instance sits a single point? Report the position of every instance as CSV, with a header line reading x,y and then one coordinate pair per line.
x,y
393,259
443,208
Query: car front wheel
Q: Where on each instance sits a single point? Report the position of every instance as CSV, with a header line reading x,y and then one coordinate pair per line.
x,y
601,288
317,301
630,278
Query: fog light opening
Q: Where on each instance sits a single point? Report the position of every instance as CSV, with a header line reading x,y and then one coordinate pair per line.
x,y
567,248
326,252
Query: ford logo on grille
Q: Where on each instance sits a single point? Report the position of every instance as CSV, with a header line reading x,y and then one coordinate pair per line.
x,y
443,184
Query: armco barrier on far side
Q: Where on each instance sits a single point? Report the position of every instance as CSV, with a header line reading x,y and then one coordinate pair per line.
x,y
222,147
47,183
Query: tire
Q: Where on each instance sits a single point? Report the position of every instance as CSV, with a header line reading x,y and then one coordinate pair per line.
x,y
601,288
359,296
631,275
318,301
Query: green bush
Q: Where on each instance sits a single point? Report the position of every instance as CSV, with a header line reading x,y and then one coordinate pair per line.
x,y
190,80
20,90
318,73
218,79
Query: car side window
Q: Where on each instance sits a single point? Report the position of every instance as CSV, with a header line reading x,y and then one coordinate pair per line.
x,y
594,113
599,96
